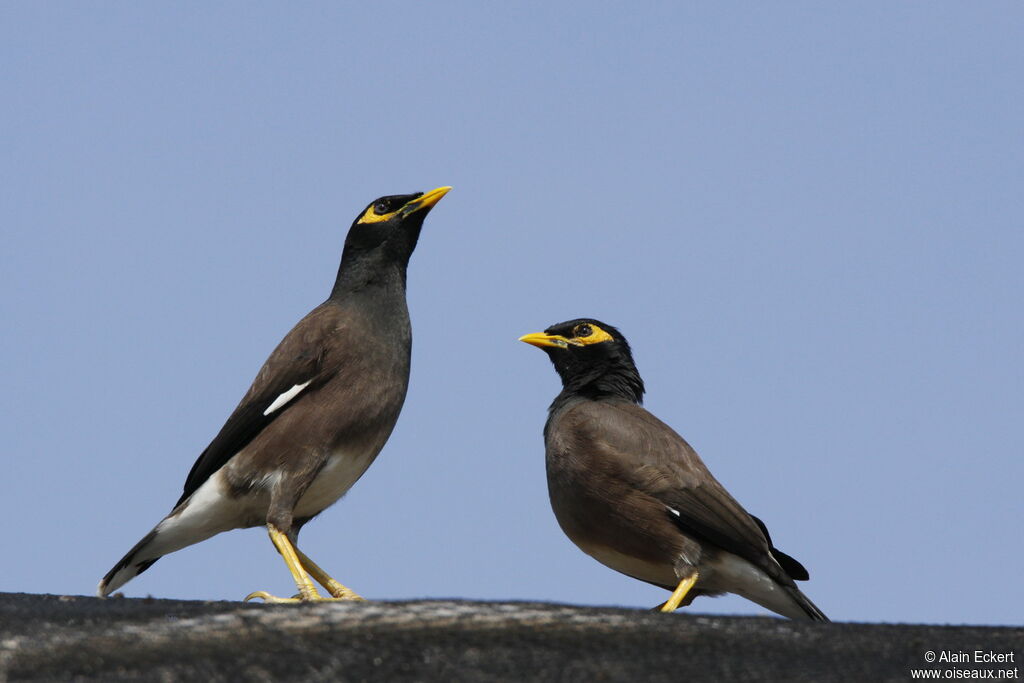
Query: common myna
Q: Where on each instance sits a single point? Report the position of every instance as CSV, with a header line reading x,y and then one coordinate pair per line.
x,y
632,494
317,414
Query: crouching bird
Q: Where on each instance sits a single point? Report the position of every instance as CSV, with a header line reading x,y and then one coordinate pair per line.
x,y
632,494
317,414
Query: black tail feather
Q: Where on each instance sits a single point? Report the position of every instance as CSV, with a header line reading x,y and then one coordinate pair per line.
x,y
812,611
126,562
796,571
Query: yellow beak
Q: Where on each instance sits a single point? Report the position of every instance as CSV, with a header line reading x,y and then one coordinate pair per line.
x,y
540,340
428,200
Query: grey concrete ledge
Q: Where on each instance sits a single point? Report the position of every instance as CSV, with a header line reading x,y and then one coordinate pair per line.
x,y
64,638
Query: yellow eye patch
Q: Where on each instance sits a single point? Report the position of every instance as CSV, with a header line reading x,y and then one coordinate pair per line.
x,y
370,216
588,333
584,334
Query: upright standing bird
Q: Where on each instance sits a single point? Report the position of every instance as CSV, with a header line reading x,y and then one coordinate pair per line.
x,y
632,494
317,414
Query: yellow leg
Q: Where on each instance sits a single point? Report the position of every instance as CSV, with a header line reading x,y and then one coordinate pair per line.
x,y
334,587
672,604
307,591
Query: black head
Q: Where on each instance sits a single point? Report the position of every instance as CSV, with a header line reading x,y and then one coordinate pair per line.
x,y
383,237
592,358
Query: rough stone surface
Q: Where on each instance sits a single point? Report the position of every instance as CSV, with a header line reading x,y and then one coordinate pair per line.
x,y
65,638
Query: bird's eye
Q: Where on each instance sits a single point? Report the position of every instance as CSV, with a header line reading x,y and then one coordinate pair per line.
x,y
582,331
380,208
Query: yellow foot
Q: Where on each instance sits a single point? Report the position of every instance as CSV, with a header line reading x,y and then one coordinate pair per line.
x,y
678,595
268,598
333,586
273,599
339,592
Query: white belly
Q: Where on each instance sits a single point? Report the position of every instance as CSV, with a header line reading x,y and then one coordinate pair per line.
x,y
733,574
332,482
630,566
728,573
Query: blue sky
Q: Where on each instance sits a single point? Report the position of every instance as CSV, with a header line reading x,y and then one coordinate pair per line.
x,y
807,219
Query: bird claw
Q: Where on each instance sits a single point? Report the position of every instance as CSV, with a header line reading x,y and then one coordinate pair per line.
x,y
269,599
341,593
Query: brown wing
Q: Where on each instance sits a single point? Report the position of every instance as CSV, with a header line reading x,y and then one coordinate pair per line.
x,y
659,462
296,360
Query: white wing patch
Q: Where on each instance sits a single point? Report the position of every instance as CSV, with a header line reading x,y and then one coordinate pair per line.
x,y
672,510
285,397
